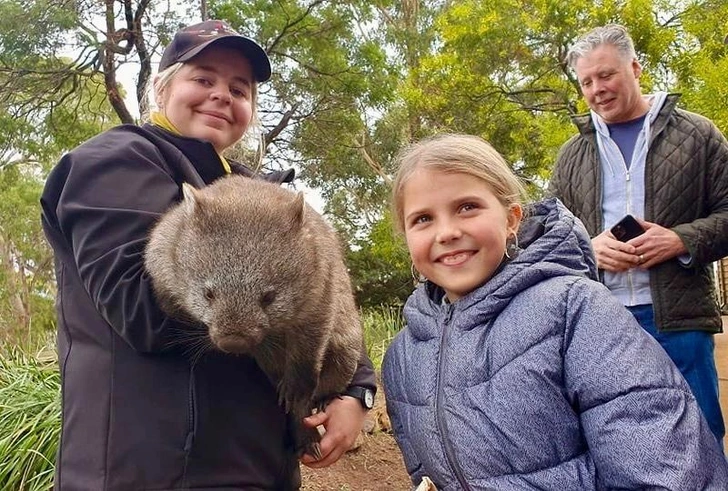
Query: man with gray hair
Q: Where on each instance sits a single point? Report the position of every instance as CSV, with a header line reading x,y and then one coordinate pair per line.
x,y
640,155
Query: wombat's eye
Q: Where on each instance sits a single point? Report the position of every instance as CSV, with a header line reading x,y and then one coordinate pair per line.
x,y
209,294
267,298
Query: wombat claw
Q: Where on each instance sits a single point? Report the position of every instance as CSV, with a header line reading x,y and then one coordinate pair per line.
x,y
294,401
314,450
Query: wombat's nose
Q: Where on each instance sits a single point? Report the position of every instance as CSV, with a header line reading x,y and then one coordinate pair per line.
x,y
236,339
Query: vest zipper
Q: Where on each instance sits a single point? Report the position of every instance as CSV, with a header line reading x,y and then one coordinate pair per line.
x,y
439,419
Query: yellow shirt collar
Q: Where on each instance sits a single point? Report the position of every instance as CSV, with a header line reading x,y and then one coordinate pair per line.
x,y
159,119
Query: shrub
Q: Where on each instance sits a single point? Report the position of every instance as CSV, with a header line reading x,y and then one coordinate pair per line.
x,y
30,415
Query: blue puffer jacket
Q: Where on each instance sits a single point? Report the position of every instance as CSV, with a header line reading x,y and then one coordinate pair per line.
x,y
540,379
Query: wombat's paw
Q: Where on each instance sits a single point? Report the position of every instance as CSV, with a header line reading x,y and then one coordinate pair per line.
x,y
307,441
320,405
294,400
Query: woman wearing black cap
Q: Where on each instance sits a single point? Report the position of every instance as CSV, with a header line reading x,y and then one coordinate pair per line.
x,y
137,412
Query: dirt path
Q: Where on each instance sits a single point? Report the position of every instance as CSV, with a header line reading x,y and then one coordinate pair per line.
x,y
376,465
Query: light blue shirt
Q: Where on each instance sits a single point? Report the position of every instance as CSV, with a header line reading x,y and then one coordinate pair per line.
x,y
624,193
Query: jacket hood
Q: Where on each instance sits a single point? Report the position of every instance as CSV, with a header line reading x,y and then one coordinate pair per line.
x,y
552,242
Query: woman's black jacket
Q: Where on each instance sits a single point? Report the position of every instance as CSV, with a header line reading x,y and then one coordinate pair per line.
x,y
137,412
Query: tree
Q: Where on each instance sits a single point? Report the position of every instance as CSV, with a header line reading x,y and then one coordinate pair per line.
x,y
27,287
699,59
44,111
499,70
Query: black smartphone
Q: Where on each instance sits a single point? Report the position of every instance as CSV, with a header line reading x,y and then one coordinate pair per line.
x,y
627,228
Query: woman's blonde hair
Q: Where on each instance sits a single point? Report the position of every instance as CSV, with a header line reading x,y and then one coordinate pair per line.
x,y
456,154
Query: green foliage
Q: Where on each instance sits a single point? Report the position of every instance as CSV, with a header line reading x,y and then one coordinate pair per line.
x,y
498,74
380,325
26,267
700,61
30,414
30,29
32,144
380,267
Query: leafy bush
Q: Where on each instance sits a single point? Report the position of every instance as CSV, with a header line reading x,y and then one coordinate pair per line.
x,y
30,415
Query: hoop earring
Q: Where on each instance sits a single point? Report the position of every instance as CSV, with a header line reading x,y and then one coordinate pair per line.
x,y
511,251
416,275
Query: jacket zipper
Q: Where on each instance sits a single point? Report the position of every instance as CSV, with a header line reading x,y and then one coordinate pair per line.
x,y
191,422
440,420
630,283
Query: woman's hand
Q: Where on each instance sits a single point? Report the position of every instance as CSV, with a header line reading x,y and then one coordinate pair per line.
x,y
343,419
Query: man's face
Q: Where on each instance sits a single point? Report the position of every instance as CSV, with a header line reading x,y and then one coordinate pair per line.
x,y
610,84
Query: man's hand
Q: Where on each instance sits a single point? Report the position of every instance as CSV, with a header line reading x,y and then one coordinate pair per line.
x,y
613,255
343,419
657,245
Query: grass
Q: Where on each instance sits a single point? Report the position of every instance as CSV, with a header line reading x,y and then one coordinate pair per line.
x,y
30,406
30,414
380,326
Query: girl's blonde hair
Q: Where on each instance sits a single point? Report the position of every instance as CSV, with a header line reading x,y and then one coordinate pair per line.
x,y
456,154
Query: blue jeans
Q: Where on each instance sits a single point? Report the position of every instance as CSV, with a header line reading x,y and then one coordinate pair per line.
x,y
692,352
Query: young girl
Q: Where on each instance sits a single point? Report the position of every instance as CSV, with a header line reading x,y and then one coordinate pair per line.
x,y
516,369
138,411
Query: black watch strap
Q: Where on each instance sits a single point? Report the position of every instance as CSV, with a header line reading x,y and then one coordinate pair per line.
x,y
363,394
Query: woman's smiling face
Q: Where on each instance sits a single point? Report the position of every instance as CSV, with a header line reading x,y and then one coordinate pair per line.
x,y
456,229
211,97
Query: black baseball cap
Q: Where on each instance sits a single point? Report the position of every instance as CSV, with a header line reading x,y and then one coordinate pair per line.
x,y
191,40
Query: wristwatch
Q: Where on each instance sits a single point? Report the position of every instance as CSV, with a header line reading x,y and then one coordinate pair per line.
x,y
364,395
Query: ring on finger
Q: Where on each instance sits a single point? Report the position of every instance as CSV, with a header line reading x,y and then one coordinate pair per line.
x,y
642,258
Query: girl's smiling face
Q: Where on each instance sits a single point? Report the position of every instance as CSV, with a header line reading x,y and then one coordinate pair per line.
x,y
456,229
211,97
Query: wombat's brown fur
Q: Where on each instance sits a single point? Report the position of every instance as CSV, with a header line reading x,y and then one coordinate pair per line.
x,y
264,272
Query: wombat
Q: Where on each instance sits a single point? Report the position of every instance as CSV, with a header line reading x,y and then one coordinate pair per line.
x,y
264,272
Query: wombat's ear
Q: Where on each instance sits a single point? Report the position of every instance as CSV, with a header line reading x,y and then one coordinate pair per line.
x,y
190,198
299,209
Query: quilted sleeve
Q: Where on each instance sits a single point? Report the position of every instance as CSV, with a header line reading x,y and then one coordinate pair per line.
x,y
706,238
100,202
577,183
642,424
558,183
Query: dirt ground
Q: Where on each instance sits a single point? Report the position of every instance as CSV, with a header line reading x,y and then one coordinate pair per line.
x,y
375,465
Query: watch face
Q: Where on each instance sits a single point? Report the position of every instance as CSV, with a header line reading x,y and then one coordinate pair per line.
x,y
368,398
